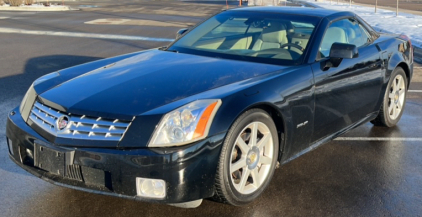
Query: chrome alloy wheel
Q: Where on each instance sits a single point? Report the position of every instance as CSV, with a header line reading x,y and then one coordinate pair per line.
x,y
396,97
251,157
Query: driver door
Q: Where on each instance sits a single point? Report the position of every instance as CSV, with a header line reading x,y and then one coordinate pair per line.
x,y
345,94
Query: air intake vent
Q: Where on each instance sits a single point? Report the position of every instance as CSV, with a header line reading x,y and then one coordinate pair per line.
x,y
73,172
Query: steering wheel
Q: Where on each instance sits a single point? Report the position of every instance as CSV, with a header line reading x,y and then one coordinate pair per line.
x,y
293,45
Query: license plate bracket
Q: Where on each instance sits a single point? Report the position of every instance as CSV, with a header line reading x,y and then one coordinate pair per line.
x,y
49,159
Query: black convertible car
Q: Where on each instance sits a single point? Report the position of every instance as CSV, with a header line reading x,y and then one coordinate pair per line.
x,y
214,113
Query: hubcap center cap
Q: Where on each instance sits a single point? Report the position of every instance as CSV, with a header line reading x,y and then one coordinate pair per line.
x,y
252,158
396,97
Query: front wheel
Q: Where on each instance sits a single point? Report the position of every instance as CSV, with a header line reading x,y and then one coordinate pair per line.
x,y
394,100
248,158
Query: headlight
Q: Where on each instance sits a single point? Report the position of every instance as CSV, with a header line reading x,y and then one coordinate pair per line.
x,y
186,124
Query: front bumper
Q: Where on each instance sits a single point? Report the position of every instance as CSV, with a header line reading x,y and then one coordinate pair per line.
x,y
188,171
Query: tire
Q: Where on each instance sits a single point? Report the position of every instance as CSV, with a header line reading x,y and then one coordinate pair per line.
x,y
256,161
394,101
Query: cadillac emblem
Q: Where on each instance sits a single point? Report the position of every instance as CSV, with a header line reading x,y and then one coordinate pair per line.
x,y
62,122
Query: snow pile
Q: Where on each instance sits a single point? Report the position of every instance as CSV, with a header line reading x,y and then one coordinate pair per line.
x,y
262,2
34,6
384,20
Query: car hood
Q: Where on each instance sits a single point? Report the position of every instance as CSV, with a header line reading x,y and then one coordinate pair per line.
x,y
146,81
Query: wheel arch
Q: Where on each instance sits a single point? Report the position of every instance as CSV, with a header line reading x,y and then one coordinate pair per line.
x,y
397,60
406,69
278,119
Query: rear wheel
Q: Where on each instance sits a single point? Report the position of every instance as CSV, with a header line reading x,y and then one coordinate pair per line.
x,y
394,100
248,158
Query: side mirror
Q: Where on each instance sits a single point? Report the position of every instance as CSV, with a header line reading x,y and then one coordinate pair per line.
x,y
340,51
181,32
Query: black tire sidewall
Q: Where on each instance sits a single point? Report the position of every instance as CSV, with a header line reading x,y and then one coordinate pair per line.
x,y
255,115
388,121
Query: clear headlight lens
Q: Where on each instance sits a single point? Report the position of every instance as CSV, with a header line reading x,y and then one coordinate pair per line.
x,y
186,124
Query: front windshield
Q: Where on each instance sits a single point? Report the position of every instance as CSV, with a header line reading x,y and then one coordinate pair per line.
x,y
273,38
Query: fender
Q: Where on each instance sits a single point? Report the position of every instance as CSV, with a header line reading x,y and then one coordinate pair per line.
x,y
291,95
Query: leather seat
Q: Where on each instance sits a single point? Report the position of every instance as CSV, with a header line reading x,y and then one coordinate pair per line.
x,y
271,37
333,35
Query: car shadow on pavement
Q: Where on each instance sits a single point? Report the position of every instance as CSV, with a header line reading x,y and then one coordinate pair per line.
x,y
12,89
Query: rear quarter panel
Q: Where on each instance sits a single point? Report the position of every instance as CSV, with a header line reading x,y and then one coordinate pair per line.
x,y
394,52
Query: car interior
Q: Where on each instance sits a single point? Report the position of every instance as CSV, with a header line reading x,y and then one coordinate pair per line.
x,y
346,31
266,38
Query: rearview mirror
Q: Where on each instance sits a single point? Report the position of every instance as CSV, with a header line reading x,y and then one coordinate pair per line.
x,y
340,51
181,32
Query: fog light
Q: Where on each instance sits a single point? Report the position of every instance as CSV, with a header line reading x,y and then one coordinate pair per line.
x,y
9,142
29,154
153,188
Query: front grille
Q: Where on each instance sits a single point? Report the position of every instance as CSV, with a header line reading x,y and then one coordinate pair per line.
x,y
79,126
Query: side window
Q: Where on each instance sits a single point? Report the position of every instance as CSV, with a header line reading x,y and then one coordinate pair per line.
x,y
343,31
357,35
365,32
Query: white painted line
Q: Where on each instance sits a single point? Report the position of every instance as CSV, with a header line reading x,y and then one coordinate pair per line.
x,y
415,91
83,35
377,139
138,22
35,7
2,18
108,21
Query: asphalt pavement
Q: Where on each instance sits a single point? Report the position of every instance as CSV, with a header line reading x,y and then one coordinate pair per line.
x,y
355,176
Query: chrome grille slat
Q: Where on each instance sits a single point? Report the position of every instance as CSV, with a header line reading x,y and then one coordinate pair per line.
x,y
99,122
47,110
96,130
79,126
48,119
40,123
92,137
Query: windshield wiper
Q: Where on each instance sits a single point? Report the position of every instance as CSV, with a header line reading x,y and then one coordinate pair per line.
x,y
164,48
175,51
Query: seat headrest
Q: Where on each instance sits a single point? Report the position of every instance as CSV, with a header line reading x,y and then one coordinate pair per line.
x,y
336,34
274,33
